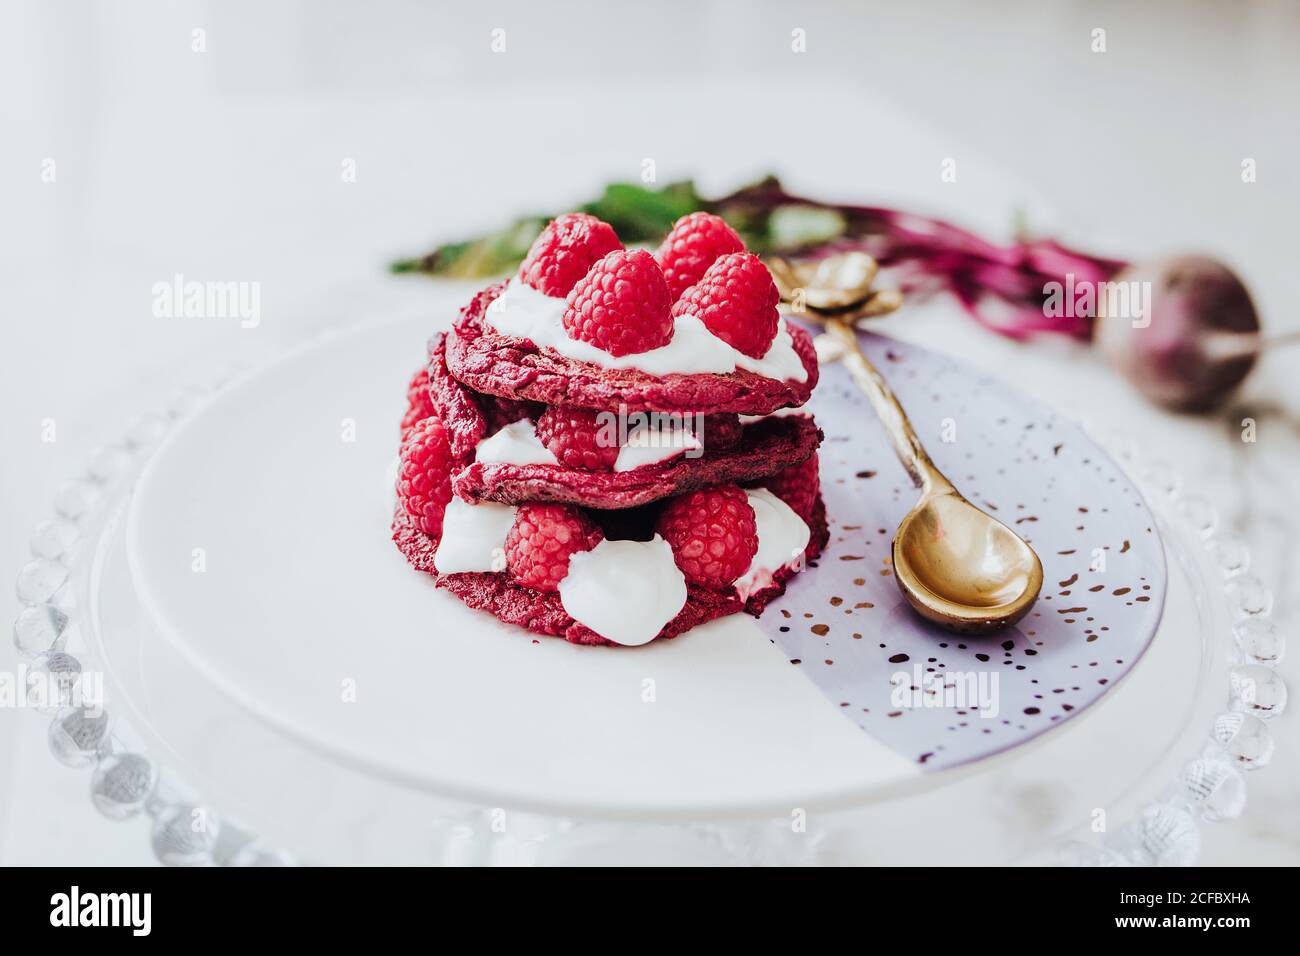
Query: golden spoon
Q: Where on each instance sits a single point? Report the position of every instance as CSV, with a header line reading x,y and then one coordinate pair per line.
x,y
956,565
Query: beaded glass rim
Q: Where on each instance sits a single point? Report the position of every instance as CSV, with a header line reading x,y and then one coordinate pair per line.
x,y
125,782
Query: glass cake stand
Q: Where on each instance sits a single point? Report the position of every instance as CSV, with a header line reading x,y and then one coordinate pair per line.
x,y
218,786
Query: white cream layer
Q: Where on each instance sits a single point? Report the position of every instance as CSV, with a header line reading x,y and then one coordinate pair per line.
x,y
523,312
779,413
625,591
473,537
782,539
648,444
516,444
656,441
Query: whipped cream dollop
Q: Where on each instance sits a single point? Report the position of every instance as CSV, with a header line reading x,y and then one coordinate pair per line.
x,y
656,441
515,444
473,537
523,312
782,539
625,591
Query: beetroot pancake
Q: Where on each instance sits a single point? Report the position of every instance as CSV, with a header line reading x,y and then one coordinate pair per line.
x,y
573,455
543,613
516,368
731,453
469,417
765,447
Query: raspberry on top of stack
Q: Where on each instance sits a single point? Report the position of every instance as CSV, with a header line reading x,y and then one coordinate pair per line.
x,y
608,446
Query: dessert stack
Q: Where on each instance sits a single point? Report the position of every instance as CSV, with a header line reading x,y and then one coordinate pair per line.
x,y
608,447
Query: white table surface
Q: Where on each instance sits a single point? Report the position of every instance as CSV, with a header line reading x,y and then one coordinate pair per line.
x,y
226,165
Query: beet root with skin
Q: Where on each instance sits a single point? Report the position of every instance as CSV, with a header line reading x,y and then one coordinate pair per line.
x,y
1194,347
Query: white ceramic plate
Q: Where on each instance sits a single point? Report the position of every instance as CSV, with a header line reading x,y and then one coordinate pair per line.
x,y
258,541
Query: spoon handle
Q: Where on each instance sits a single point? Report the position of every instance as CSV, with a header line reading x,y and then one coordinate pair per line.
x,y
906,444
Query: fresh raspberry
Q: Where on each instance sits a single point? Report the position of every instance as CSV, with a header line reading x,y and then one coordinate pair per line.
x,y
542,540
565,251
713,534
797,486
693,245
424,475
736,299
418,404
621,305
579,438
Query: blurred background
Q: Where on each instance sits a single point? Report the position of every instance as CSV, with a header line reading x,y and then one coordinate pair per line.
x,y
215,140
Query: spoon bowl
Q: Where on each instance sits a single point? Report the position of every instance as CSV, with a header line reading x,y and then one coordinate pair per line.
x,y
962,568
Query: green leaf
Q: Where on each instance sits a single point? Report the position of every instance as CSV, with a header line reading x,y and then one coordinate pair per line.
x,y
638,213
